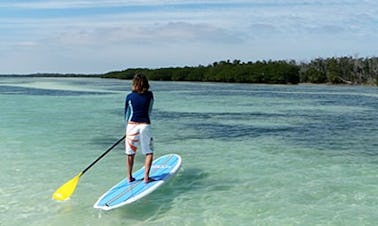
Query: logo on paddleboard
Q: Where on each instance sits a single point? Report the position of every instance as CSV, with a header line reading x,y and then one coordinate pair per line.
x,y
160,167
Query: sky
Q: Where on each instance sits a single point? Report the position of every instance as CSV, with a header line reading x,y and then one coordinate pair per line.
x,y
96,36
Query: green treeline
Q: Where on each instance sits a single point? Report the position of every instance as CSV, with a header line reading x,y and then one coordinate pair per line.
x,y
343,70
270,72
335,70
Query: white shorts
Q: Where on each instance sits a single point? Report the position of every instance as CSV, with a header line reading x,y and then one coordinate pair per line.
x,y
138,135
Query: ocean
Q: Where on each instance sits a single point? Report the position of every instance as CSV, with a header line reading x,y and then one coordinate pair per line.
x,y
252,154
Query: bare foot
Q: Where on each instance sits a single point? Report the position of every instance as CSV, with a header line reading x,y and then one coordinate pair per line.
x,y
131,179
149,180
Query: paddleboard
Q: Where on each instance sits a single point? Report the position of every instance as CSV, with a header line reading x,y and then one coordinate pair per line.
x,y
126,192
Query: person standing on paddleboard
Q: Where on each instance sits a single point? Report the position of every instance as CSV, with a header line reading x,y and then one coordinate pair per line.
x,y
138,107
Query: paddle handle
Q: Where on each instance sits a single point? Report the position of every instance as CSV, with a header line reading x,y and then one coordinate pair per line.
x,y
103,154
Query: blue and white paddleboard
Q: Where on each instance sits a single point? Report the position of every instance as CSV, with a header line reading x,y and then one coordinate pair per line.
x,y
126,192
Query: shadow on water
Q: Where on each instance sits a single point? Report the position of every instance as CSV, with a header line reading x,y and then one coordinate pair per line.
x,y
162,200
323,130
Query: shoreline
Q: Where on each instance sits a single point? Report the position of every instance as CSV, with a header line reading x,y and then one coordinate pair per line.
x,y
225,82
332,70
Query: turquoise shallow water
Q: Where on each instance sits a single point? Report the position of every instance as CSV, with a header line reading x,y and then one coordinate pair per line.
x,y
252,154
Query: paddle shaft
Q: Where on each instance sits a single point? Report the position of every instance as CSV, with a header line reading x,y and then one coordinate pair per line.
x,y
103,154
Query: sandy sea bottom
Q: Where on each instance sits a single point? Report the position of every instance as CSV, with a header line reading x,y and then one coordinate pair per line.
x,y
252,154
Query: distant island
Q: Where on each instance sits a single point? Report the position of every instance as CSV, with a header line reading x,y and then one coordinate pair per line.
x,y
343,70
335,70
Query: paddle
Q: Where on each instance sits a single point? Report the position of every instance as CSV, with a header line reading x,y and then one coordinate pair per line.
x,y
66,190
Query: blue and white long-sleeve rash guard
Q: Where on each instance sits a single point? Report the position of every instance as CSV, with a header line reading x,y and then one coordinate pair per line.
x,y
138,107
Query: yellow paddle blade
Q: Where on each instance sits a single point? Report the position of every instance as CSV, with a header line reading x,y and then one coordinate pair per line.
x,y
66,190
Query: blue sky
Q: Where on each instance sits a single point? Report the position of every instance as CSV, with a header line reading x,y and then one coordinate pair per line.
x,y
94,36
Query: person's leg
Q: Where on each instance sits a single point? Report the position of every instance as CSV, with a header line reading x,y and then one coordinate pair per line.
x,y
147,167
130,164
146,142
131,143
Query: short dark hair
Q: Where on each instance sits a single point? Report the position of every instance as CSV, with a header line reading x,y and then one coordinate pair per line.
x,y
140,83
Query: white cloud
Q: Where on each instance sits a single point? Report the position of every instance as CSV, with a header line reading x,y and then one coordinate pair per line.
x,y
97,35
164,33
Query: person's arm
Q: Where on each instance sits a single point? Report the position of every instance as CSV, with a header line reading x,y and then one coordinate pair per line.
x,y
150,107
127,111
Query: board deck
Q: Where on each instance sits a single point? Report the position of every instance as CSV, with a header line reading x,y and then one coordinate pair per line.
x,y
126,192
